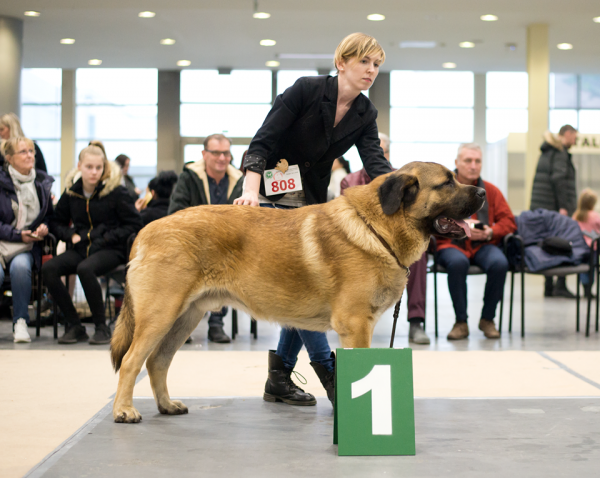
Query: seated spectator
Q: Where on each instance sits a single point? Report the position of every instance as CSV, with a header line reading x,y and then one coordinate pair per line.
x,y
589,222
25,207
95,215
339,170
491,223
160,188
10,127
416,288
211,180
123,161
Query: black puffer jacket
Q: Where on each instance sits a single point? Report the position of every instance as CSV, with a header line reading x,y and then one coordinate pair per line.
x,y
104,221
554,185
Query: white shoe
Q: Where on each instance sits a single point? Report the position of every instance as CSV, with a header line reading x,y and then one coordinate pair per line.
x,y
21,336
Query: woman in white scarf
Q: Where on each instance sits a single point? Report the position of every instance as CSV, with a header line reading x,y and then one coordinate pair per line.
x,y
16,237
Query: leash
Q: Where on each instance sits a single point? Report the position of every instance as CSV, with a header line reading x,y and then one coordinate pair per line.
x,y
402,266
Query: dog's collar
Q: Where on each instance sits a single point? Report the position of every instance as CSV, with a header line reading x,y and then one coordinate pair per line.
x,y
385,244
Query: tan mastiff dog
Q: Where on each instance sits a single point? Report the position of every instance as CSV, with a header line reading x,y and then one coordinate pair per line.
x,y
337,266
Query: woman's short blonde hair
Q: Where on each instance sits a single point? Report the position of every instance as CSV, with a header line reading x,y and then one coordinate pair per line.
x,y
96,148
11,121
357,45
11,146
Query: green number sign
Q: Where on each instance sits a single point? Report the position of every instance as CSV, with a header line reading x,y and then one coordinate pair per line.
x,y
374,402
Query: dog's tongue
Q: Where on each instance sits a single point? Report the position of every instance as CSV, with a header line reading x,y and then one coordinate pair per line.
x,y
465,227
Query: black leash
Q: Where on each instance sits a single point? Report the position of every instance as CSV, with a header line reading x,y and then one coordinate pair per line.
x,y
396,312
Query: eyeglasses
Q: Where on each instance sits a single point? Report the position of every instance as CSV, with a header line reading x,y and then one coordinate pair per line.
x,y
227,154
26,151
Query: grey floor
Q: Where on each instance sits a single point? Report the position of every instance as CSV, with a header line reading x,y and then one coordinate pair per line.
x,y
247,437
550,325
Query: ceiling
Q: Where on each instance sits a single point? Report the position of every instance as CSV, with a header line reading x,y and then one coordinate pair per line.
x,y
222,33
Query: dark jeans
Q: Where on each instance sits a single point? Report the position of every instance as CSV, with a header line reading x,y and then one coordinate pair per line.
x,y
291,340
88,270
20,284
216,318
492,260
416,289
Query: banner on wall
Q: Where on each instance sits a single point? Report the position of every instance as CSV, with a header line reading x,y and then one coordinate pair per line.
x,y
586,144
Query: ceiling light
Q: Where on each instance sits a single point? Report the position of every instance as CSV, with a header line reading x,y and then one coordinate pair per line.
x,y
268,42
67,41
466,44
167,41
564,46
261,15
418,44
184,63
376,17
596,19
95,62
31,13
489,18
449,65
272,63
146,14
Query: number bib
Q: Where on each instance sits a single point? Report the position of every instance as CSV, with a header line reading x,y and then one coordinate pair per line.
x,y
277,182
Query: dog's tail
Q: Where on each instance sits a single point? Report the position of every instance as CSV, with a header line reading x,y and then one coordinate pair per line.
x,y
123,335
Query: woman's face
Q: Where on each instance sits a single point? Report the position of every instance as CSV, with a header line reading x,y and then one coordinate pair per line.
x,y
92,168
125,167
4,132
360,74
24,159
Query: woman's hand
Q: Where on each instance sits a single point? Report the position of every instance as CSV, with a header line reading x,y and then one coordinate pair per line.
x,y
251,187
249,198
139,204
75,238
41,231
27,238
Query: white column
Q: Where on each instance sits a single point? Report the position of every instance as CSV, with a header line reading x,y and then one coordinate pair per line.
x,y
67,138
11,62
168,138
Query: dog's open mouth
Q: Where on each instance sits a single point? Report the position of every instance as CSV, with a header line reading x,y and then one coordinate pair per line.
x,y
452,227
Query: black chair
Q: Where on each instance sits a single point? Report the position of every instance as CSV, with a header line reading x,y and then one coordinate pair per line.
x,y
562,271
234,325
118,274
436,269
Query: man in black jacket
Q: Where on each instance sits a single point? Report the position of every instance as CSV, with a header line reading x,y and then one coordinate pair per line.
x,y
211,180
554,188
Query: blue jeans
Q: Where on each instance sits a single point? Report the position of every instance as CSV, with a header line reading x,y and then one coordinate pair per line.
x,y
291,340
20,283
492,260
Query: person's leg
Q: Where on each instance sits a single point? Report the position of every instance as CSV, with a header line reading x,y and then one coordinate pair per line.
x,y
289,347
549,286
20,278
416,290
215,327
322,359
495,264
457,265
52,272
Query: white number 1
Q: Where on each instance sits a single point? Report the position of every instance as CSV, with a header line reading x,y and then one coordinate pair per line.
x,y
379,383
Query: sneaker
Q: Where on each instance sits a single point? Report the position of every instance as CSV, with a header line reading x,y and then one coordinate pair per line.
x,y
417,335
459,331
20,334
489,329
101,335
76,333
218,335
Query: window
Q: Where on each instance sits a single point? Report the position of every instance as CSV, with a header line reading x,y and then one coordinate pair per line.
x,y
41,93
507,99
431,114
575,100
119,108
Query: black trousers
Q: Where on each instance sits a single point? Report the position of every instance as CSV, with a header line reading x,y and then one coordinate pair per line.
x,y
88,269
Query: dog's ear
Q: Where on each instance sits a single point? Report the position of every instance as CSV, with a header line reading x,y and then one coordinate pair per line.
x,y
396,190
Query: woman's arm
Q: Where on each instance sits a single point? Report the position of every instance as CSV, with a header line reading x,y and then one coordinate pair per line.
x,y
251,186
371,154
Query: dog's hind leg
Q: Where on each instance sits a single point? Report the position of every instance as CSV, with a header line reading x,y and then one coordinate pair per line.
x,y
160,359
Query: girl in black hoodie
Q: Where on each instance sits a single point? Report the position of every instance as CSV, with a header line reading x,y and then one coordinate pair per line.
x,y
96,216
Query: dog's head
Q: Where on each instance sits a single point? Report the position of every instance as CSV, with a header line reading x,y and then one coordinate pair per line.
x,y
431,195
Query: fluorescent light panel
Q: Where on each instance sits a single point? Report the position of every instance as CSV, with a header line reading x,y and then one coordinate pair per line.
x,y
376,17
31,13
67,41
305,56
95,62
167,41
489,18
418,44
146,14
268,42
272,63
261,15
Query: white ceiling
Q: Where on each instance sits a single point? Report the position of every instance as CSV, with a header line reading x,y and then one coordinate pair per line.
x,y
222,33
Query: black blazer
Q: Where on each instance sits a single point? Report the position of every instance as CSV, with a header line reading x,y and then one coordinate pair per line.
x,y
299,128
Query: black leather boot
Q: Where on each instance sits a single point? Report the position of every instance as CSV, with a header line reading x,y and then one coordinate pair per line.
x,y
327,378
560,289
281,388
549,287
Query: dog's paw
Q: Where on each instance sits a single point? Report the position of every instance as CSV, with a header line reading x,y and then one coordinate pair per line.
x,y
172,407
126,415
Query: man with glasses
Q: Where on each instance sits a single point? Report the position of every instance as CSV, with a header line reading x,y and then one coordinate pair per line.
x,y
210,180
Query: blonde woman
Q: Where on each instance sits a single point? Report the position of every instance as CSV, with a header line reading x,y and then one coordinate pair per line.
x,y
311,124
10,127
96,215
25,207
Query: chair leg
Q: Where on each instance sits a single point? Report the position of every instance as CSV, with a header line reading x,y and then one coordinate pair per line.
x,y
234,318
253,328
510,305
597,292
522,305
38,313
577,295
435,302
501,313
587,320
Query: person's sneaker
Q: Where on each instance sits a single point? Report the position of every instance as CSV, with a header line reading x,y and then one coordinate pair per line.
x,y
218,335
417,335
20,334
489,329
189,340
459,331
563,292
101,335
76,333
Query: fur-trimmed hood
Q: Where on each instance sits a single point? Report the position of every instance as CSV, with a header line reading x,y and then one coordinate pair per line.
x,y
199,168
553,141
110,183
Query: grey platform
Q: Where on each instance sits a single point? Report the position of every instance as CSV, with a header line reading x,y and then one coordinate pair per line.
x,y
246,437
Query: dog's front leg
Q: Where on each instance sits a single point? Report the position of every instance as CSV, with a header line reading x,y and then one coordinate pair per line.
x,y
355,331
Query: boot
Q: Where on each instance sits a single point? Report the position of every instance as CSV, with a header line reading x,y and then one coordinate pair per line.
x,y
327,378
489,329
549,287
560,289
587,291
101,335
459,331
417,334
217,335
281,388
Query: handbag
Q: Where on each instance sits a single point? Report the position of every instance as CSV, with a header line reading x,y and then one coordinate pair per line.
x,y
557,246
